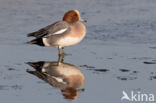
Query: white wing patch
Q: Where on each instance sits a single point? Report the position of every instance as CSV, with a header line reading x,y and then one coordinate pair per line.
x,y
60,31
59,79
57,32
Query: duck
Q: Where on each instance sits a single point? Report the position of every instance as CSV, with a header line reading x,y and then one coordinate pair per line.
x,y
67,77
67,32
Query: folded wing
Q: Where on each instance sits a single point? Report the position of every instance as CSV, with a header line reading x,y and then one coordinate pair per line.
x,y
53,29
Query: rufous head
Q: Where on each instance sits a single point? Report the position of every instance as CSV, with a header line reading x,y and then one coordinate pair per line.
x,y
72,16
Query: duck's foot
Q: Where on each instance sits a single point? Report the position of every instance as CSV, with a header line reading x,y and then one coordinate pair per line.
x,y
60,59
64,53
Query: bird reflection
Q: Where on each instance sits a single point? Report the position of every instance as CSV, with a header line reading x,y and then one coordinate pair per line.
x,y
61,75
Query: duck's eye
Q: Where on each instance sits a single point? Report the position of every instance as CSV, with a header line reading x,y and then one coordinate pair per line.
x,y
75,15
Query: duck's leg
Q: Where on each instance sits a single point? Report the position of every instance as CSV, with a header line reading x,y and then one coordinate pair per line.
x,y
59,50
59,60
64,53
62,59
63,50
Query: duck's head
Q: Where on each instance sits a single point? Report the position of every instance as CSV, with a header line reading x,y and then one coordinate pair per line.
x,y
73,16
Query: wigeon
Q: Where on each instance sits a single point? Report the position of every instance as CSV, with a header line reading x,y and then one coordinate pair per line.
x,y
67,77
67,32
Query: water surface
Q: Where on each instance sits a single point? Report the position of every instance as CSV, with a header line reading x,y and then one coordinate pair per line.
x,y
117,54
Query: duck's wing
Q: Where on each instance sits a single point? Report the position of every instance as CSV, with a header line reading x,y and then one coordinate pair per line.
x,y
53,29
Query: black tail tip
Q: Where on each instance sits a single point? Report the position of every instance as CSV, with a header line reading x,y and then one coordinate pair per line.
x,y
29,42
37,41
30,35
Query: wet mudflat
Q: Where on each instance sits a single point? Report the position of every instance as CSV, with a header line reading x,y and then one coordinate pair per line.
x,y
118,53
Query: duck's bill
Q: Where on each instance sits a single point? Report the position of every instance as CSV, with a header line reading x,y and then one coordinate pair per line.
x,y
83,20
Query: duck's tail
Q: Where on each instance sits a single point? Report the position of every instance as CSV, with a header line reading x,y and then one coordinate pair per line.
x,y
36,65
37,41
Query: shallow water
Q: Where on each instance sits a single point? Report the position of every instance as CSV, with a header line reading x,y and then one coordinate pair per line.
x,y
117,54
